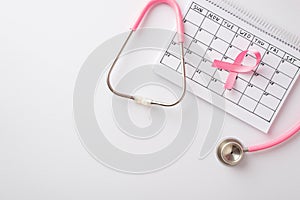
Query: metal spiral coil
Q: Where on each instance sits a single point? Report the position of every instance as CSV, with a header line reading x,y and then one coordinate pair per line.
x,y
284,36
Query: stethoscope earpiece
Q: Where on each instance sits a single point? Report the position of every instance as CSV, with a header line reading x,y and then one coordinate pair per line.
x,y
230,152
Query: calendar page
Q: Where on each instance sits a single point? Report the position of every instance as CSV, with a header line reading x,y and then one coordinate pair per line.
x,y
212,33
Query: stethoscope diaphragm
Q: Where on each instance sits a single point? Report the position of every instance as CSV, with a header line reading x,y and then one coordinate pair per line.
x,y
230,151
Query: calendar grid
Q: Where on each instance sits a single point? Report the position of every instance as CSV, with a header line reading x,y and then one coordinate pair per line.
x,y
270,83
249,84
209,49
230,44
161,61
193,37
264,88
210,37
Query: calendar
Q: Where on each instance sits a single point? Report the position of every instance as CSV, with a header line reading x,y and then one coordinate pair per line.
x,y
213,33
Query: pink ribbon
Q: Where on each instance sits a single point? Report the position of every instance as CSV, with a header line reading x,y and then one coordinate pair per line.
x,y
236,67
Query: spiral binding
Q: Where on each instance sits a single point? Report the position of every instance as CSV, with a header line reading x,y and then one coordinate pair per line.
x,y
284,36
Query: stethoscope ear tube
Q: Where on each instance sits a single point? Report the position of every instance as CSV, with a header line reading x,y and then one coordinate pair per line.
x,y
180,26
231,151
171,3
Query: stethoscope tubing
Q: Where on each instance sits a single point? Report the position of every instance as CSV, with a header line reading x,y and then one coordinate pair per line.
x,y
229,151
290,133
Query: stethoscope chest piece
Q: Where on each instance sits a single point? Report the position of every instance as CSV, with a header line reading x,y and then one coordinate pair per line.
x,y
230,152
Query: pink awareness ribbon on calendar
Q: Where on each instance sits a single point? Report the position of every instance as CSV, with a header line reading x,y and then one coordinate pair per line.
x,y
236,67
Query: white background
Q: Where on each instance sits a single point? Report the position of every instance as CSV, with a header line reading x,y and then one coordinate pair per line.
x,y
42,47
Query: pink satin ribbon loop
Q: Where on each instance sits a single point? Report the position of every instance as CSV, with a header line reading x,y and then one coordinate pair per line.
x,y
236,67
232,67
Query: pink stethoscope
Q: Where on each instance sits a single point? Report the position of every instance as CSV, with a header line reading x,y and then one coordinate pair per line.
x,y
230,151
